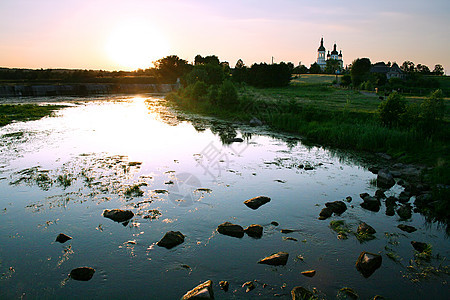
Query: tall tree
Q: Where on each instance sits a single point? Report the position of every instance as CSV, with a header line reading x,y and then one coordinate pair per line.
x,y
360,70
315,69
407,66
438,70
171,67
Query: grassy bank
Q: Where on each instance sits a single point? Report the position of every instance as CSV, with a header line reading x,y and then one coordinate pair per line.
x,y
24,112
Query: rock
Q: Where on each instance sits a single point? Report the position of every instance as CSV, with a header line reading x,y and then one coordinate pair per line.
x,y
171,239
404,197
364,195
249,285
276,259
82,273
419,246
364,228
423,200
287,230
380,194
309,273
62,238
254,230
202,291
235,140
407,228
338,207
374,169
390,211
118,215
347,293
274,223
371,203
348,199
231,229
224,285
367,263
289,239
300,293
256,202
385,179
255,122
325,213
404,212
391,201
308,168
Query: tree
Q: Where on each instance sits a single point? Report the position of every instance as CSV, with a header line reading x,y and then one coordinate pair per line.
x,y
423,69
315,69
211,59
239,73
171,67
300,69
264,75
360,70
332,66
407,66
432,111
392,109
346,80
438,70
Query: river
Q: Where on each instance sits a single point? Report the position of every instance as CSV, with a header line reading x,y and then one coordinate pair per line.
x,y
58,174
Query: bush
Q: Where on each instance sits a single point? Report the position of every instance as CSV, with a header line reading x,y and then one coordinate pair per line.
x,y
432,111
199,91
228,94
392,109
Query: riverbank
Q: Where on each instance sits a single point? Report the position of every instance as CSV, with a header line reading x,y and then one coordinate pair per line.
x,y
339,118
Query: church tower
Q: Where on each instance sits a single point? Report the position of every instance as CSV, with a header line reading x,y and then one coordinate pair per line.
x,y
321,60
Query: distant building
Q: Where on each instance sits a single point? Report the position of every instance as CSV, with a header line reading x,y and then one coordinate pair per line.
x,y
393,71
322,59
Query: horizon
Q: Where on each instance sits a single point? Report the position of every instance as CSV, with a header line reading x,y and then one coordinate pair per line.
x,y
113,36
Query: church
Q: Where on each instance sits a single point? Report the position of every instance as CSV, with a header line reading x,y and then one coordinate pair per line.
x,y
322,59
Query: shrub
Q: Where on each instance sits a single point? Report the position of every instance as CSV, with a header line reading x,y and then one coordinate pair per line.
x,y
432,111
392,109
228,94
199,91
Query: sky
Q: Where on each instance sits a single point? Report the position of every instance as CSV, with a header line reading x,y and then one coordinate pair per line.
x,y
130,34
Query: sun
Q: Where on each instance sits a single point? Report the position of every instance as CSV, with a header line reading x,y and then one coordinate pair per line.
x,y
134,45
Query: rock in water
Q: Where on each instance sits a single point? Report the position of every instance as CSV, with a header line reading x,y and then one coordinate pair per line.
x,y
371,203
82,273
325,213
309,273
62,238
364,228
171,239
407,228
118,215
300,293
224,285
385,179
367,263
338,207
255,122
231,229
419,246
202,291
404,212
254,230
249,285
276,259
256,202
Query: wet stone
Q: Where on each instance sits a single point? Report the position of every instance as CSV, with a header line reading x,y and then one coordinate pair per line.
x,y
371,203
256,202
338,207
62,238
276,259
300,293
171,239
82,273
347,293
231,229
325,213
385,179
202,291
274,223
118,215
404,212
364,228
419,246
224,285
309,273
367,263
254,230
407,228
287,230
249,286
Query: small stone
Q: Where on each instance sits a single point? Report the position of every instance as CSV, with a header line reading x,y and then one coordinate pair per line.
x,y
224,285
325,213
407,228
287,230
82,273
300,293
202,291
348,199
385,179
274,223
364,195
62,238
371,203
231,229
249,285
171,239
309,273
118,215
404,212
276,259
256,202
290,239
235,140
367,263
254,230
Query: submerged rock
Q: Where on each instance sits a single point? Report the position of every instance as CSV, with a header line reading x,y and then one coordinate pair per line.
x,y
364,228
231,229
224,285
300,293
254,230
249,285
367,263
118,215
171,239
419,246
275,259
371,203
309,273
404,212
407,228
385,179
202,291
274,223
62,238
338,207
82,273
256,202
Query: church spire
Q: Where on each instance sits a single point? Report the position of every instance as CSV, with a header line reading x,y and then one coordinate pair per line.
x,y
321,48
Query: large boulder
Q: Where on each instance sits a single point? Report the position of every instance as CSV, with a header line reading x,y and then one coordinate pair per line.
x,y
231,229
202,291
254,230
404,212
371,203
367,263
118,215
171,239
256,202
385,179
82,273
275,259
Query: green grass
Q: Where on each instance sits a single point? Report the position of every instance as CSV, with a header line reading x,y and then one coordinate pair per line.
x,y
25,112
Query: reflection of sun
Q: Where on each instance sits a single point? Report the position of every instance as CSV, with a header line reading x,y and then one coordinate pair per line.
x,y
136,45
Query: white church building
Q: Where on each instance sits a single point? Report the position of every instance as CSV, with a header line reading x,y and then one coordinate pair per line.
x,y
322,57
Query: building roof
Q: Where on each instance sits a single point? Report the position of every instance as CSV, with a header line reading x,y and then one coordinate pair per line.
x,y
334,52
321,48
382,68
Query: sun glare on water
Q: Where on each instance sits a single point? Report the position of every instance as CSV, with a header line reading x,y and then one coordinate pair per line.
x,y
134,45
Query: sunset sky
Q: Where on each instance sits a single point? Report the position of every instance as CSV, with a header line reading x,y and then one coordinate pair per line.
x,y
113,34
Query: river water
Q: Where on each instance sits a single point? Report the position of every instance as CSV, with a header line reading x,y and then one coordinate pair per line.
x,y
58,174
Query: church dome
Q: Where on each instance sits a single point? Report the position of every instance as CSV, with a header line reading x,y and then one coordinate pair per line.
x,y
334,52
321,48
